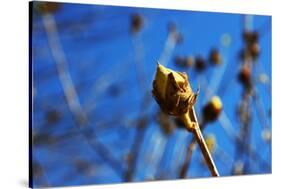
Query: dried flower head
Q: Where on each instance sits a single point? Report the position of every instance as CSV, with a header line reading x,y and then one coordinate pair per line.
x,y
137,23
47,7
254,50
200,64
215,57
183,61
212,109
172,91
244,76
250,37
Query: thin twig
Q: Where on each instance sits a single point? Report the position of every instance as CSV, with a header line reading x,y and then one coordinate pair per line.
x,y
201,142
71,94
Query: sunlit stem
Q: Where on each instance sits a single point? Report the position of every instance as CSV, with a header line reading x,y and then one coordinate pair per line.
x,y
192,125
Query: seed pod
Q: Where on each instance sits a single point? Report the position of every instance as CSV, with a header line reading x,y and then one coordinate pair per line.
x,y
250,37
200,64
183,62
214,57
47,7
244,76
212,109
254,50
172,91
136,23
53,116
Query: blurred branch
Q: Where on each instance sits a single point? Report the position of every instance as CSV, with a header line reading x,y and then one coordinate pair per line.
x,y
70,92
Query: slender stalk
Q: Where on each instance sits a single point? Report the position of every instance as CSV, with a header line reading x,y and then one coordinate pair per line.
x,y
192,125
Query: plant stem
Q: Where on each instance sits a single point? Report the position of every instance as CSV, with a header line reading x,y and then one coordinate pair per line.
x,y
191,123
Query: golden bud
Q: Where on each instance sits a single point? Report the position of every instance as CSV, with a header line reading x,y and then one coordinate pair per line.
x,y
172,91
212,109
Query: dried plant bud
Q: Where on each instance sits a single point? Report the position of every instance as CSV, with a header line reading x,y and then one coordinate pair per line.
x,y
172,91
184,62
136,23
250,37
211,142
200,64
53,116
212,109
215,57
244,76
47,7
254,50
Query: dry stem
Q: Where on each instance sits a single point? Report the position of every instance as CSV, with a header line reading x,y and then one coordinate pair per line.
x,y
192,125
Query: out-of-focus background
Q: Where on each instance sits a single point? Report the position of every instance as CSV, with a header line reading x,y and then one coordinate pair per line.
x,y
94,118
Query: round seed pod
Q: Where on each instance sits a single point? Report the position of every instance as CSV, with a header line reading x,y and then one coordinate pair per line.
x,y
250,37
137,23
212,109
200,64
183,62
244,76
254,50
47,7
214,57
189,61
53,116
